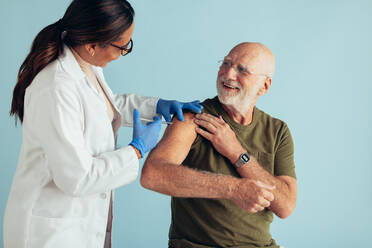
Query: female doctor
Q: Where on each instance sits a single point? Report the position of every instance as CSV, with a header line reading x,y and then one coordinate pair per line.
x,y
61,194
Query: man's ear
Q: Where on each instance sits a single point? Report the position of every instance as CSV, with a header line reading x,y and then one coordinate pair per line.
x,y
265,87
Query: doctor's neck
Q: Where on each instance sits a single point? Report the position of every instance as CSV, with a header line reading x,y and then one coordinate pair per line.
x,y
85,66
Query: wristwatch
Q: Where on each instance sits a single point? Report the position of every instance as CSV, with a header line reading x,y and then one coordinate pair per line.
x,y
243,159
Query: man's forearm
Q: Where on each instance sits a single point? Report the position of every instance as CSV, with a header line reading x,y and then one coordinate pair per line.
x,y
284,201
181,181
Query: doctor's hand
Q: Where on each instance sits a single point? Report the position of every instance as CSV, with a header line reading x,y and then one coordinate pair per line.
x,y
146,136
170,107
219,133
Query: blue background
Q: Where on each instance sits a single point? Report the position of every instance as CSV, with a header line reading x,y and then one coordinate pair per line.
x,y
321,88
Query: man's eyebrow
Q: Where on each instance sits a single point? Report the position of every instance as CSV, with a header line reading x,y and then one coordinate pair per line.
x,y
239,64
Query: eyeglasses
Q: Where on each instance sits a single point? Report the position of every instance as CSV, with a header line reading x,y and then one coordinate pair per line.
x,y
124,50
239,68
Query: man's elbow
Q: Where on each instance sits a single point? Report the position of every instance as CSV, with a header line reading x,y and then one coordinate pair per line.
x,y
285,213
147,179
287,210
288,203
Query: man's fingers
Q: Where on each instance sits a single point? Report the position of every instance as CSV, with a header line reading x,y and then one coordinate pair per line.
x,y
209,118
221,120
205,116
267,190
268,195
264,203
208,125
265,186
203,133
259,207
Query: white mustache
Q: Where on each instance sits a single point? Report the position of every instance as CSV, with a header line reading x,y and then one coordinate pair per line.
x,y
231,83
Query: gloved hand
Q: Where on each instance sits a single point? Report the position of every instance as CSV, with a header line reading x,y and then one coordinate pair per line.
x,y
170,107
146,136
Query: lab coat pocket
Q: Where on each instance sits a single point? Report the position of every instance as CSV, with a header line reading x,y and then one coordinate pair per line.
x,y
57,232
266,160
54,203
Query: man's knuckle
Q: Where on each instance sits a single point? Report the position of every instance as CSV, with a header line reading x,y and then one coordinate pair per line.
x,y
261,192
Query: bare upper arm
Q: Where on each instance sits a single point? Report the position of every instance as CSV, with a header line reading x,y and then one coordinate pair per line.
x,y
176,141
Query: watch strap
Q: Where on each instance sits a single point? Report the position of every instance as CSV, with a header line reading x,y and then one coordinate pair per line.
x,y
244,158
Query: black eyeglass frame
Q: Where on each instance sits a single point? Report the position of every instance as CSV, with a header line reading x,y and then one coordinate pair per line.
x,y
124,50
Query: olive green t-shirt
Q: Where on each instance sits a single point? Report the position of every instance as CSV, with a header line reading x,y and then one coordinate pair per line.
x,y
202,223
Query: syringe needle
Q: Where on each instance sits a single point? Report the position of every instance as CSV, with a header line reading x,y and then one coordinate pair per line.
x,y
149,120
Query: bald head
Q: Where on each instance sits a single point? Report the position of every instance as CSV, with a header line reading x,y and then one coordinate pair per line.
x,y
259,58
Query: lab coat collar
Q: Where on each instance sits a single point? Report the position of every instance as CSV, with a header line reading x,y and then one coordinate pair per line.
x,y
69,63
72,67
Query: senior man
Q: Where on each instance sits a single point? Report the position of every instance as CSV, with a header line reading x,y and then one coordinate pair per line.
x,y
229,169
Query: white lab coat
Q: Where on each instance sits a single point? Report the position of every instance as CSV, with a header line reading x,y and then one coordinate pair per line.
x,y
68,163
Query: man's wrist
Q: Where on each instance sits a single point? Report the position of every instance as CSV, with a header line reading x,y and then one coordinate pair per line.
x,y
232,188
236,156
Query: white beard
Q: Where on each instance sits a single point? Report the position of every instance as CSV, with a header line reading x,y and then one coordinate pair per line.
x,y
241,101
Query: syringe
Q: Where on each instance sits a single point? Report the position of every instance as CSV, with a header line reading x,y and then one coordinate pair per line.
x,y
162,122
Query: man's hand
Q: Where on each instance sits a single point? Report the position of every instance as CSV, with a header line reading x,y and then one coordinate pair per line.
x,y
252,195
220,135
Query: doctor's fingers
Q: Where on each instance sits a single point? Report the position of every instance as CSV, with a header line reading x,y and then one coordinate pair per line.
x,y
136,118
193,106
156,121
179,112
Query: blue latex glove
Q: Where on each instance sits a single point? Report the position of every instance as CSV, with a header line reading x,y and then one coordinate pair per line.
x,y
170,107
146,136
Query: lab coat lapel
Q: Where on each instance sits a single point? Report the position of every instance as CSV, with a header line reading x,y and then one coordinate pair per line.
x,y
71,66
101,78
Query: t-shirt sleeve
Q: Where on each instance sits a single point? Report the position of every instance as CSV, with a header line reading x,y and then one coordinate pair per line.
x,y
284,156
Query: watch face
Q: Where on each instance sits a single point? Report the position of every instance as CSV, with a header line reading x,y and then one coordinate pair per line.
x,y
245,158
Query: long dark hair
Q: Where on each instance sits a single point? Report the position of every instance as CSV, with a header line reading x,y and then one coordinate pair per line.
x,y
85,22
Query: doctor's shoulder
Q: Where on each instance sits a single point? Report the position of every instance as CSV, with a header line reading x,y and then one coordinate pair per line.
x,y
53,78
51,91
